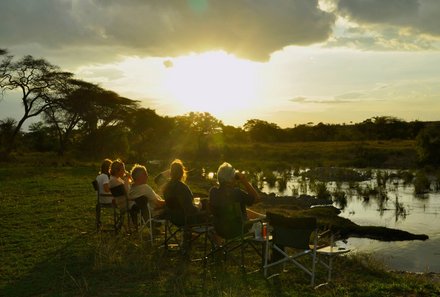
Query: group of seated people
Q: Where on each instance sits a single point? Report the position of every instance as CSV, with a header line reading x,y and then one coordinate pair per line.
x,y
178,203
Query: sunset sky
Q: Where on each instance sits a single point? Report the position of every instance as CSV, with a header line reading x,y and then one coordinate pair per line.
x,y
287,62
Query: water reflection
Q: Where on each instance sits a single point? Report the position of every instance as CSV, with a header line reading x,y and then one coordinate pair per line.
x,y
390,198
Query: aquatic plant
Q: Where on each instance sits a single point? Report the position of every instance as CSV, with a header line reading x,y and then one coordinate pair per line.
x,y
421,183
340,198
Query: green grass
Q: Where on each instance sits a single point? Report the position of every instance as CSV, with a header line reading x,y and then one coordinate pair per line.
x,y
49,247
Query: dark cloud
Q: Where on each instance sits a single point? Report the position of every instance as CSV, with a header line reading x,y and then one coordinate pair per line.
x,y
379,11
250,29
421,16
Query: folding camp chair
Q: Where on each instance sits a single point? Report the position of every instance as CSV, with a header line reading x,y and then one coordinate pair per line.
x,y
182,230
122,203
295,233
145,220
101,205
230,225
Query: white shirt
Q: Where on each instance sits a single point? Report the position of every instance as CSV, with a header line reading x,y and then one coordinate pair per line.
x,y
137,191
104,197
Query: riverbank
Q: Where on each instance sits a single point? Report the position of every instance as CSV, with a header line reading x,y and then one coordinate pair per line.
x,y
328,215
49,247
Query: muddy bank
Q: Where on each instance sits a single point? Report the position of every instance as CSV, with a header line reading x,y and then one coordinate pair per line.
x,y
328,216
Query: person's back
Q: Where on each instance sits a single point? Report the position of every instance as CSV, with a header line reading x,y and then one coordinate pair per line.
x,y
228,202
179,200
103,182
227,211
118,178
142,193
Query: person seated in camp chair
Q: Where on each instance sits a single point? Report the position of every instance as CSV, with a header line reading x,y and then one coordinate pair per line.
x,y
120,177
105,198
180,208
143,195
225,198
179,200
103,179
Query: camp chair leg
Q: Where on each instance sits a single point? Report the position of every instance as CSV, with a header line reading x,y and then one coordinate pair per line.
x,y
98,217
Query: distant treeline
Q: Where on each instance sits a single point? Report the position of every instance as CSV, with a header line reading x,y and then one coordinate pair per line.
x,y
84,119
376,128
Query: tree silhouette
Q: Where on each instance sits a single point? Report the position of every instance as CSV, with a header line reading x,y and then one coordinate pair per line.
x,y
68,110
37,80
196,128
260,130
149,133
428,145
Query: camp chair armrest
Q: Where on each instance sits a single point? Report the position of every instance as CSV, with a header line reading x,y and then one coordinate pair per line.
x,y
324,233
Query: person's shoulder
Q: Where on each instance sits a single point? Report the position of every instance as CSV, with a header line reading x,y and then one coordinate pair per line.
x,y
115,181
214,190
168,186
148,189
181,184
102,176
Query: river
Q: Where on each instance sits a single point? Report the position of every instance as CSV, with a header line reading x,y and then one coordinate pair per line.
x,y
399,208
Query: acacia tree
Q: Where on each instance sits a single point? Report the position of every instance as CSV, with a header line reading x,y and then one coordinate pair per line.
x,y
38,82
4,64
149,132
88,108
66,112
104,115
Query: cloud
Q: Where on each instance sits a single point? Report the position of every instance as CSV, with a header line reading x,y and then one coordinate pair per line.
x,y
350,96
168,63
379,11
422,16
251,30
306,100
379,38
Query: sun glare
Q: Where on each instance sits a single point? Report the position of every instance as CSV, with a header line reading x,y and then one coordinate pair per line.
x,y
215,82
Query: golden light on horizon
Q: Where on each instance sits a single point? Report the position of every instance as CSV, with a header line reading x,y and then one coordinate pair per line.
x,y
216,82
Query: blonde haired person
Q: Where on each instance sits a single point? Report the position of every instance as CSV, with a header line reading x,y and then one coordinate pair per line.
x,y
179,200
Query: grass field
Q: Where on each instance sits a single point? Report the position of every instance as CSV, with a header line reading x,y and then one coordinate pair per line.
x,y
49,247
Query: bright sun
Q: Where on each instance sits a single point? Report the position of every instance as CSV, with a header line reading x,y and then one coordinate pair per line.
x,y
215,82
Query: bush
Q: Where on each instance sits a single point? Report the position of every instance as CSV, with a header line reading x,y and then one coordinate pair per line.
x,y
428,145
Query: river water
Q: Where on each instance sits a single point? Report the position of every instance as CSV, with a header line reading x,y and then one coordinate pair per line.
x,y
399,208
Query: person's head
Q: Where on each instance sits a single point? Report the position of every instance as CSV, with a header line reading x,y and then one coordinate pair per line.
x,y
139,174
117,168
105,166
226,173
177,170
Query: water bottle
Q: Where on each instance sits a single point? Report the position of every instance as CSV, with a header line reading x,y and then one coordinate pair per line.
x,y
257,230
